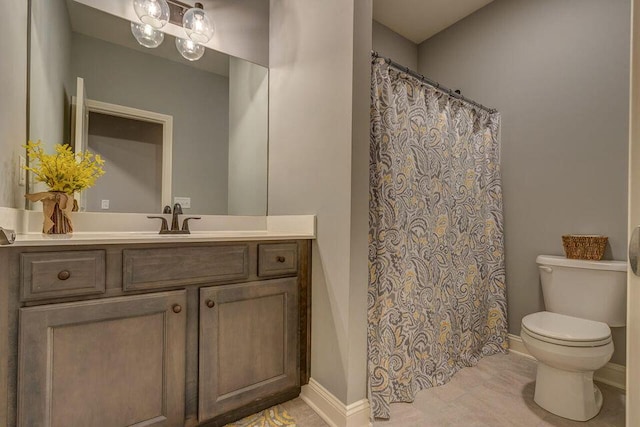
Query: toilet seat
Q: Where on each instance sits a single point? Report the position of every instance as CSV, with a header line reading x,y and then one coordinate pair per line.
x,y
565,330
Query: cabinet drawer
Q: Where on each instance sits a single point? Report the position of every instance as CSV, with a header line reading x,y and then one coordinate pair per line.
x,y
277,259
61,274
157,268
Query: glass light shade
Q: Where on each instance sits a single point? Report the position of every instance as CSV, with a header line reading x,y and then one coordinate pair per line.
x,y
152,12
146,35
197,25
189,49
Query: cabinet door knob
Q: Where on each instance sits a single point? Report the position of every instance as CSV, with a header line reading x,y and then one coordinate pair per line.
x,y
64,275
280,258
210,303
177,308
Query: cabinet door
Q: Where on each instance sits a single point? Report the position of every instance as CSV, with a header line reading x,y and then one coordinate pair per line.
x,y
248,344
111,362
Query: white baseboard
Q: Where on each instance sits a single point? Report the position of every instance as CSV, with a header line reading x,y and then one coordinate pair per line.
x,y
333,411
517,346
612,373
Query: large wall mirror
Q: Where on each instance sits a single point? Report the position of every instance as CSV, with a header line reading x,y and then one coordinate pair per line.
x,y
169,129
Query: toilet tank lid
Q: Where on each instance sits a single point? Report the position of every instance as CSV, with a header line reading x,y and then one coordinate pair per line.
x,y
560,261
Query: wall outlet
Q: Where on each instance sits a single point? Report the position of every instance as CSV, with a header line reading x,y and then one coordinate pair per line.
x,y
185,202
104,204
22,173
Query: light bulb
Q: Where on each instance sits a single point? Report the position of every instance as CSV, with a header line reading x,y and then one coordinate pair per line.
x,y
146,35
189,49
197,24
152,12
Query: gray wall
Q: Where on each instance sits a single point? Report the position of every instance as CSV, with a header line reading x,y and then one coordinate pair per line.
x,y
51,85
558,71
197,100
248,137
13,101
242,29
392,45
318,142
132,151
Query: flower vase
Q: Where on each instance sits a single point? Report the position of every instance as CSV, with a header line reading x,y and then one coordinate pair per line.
x,y
56,209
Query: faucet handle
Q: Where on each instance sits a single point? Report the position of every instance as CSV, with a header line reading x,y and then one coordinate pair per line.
x,y
7,237
185,223
164,226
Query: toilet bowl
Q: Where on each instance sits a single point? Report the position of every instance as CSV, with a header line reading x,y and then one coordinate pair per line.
x,y
572,339
568,350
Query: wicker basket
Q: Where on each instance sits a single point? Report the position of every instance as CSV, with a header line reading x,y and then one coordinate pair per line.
x,y
584,246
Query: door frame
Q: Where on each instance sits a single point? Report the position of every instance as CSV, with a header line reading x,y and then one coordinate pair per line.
x,y
164,120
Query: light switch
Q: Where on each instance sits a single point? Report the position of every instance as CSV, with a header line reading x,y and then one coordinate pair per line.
x,y
185,202
105,204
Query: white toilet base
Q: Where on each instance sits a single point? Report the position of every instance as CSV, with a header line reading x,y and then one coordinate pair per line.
x,y
571,395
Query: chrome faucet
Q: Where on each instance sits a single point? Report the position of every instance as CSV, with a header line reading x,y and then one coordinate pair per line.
x,y
175,225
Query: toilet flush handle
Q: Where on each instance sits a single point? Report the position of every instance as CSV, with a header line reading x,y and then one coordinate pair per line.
x,y
545,269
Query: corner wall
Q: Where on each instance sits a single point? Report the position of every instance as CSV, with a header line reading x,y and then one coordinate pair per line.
x,y
558,71
317,143
392,45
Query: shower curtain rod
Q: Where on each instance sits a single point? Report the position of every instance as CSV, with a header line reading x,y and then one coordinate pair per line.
x,y
430,82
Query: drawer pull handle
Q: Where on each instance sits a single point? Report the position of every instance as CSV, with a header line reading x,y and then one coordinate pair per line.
x,y
280,258
64,275
210,303
177,308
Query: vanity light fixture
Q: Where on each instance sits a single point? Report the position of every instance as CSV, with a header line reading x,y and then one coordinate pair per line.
x,y
197,24
155,14
152,12
189,49
146,35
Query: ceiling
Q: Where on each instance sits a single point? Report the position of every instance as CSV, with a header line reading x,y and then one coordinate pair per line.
x,y
417,20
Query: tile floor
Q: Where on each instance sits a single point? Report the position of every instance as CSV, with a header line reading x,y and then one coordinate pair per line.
x,y
496,392
303,414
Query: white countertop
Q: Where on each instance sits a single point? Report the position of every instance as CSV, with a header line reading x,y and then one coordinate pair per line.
x,y
80,238
97,228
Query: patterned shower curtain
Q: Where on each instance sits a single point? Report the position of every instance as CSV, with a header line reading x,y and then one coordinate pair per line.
x,y
437,297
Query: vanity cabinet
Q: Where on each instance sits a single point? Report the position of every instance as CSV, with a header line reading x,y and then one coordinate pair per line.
x,y
188,334
248,344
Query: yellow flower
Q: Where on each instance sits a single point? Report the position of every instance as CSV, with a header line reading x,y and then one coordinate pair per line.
x,y
64,171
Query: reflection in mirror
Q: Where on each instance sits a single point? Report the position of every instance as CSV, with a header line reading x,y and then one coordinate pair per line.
x,y
167,127
134,147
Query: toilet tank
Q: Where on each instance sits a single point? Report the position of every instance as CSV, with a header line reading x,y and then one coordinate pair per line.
x,y
595,290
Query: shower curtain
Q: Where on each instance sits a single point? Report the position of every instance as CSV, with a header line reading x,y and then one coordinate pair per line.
x,y
437,297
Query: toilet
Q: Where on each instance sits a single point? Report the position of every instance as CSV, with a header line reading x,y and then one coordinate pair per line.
x,y
572,339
